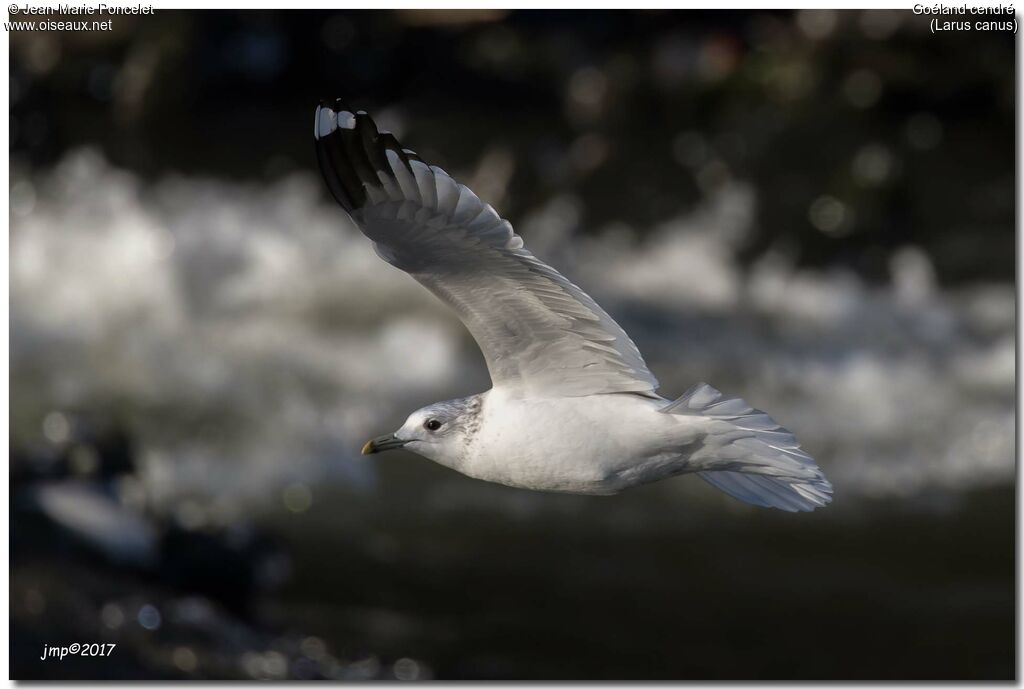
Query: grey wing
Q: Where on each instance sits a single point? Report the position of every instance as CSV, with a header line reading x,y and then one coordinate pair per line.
x,y
539,333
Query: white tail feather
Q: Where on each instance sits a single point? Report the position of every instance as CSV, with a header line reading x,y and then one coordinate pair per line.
x,y
749,456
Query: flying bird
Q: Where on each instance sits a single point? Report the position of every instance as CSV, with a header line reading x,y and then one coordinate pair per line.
x,y
572,407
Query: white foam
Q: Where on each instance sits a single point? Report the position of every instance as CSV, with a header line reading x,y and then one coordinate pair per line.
x,y
245,341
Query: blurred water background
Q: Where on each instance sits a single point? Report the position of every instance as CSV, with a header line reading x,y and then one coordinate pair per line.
x,y
813,210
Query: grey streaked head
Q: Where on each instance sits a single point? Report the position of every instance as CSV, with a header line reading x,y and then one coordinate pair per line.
x,y
441,431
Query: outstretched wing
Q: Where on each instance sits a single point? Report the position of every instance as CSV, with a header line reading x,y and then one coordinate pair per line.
x,y
539,333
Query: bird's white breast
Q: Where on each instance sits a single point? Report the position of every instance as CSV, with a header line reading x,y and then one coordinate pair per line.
x,y
592,444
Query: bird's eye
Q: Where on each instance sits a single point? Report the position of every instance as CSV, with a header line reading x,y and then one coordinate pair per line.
x,y
432,424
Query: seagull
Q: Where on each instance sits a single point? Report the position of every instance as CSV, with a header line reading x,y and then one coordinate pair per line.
x,y
572,407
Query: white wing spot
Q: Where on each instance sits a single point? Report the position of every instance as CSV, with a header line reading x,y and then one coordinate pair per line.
x,y
326,122
346,120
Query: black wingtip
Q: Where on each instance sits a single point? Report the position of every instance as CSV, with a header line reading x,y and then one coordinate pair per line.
x,y
341,154
352,152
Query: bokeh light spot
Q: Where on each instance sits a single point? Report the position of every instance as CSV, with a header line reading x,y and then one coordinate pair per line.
x,y
56,427
149,617
862,88
816,24
184,659
297,497
873,165
828,215
112,616
407,669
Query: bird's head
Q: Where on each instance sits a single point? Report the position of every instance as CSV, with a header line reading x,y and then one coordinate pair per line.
x,y
439,431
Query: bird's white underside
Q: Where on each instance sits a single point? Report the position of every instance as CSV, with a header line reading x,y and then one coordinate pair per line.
x,y
597,444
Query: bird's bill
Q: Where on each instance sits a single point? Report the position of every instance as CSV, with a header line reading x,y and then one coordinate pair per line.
x,y
381,443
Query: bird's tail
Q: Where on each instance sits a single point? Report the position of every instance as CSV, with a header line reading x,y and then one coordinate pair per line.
x,y
749,456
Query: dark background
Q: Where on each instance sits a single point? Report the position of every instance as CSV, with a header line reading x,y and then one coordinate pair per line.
x,y
861,134
228,93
